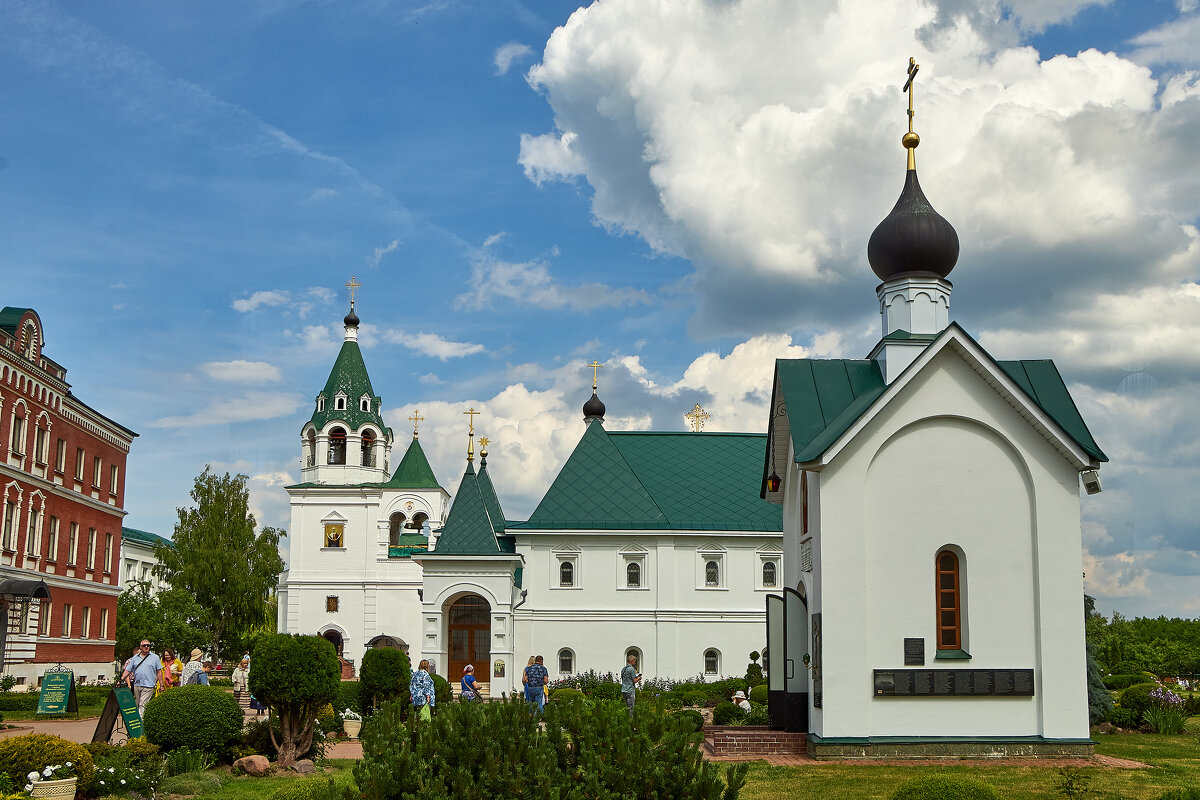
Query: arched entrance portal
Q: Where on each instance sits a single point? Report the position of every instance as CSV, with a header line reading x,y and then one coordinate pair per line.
x,y
470,629
335,639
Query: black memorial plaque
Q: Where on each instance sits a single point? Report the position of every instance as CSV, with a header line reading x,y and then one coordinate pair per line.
x,y
953,683
914,652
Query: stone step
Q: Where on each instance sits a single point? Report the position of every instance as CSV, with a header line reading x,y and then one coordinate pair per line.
x,y
752,740
481,687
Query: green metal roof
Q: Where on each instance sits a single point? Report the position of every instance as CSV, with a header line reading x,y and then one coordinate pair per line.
x,y
490,500
643,480
145,537
414,471
10,317
349,376
468,529
825,397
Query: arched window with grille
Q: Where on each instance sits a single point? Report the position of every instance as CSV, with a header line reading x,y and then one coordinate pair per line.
x,y
949,601
712,573
712,662
769,571
637,657
566,573
566,662
633,574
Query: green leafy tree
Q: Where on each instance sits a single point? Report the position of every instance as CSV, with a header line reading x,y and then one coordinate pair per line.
x,y
218,558
172,618
294,676
384,675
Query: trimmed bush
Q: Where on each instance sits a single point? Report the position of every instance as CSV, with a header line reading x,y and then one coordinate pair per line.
x,y
695,697
197,717
21,755
565,693
692,719
1137,698
295,676
1123,718
441,690
384,676
671,702
606,691
499,749
727,714
1125,681
192,783
940,787
759,694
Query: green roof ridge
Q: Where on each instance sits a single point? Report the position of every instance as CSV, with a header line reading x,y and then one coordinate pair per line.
x,y
491,501
468,529
349,376
414,471
10,316
145,536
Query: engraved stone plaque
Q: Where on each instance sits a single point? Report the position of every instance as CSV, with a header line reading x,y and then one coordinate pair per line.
x,y
914,652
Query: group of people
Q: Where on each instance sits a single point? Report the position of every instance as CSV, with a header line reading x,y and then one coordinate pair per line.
x,y
149,676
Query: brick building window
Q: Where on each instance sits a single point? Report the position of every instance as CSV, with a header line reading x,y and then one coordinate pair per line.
x,y
66,622
85,623
39,446
108,552
91,551
103,624
80,455
33,534
60,455
97,465
114,473
10,525
73,544
52,539
18,435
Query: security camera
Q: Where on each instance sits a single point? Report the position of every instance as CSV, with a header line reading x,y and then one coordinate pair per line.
x,y
1091,481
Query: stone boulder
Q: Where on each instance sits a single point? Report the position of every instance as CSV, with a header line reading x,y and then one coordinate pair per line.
x,y
256,766
304,767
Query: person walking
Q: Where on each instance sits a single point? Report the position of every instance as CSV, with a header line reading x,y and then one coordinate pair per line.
x,y
630,678
536,677
240,678
420,689
525,679
193,670
142,674
172,667
470,686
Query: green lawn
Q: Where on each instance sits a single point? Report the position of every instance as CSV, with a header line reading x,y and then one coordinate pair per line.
x,y
1174,760
219,784
85,711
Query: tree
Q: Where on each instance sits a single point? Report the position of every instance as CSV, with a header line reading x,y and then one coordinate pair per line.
x,y
220,561
1100,702
172,618
295,676
384,675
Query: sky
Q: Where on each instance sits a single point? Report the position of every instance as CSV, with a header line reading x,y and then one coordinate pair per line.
x,y
680,190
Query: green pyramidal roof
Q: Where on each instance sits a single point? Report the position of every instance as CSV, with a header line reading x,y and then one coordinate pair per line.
x,y
349,376
643,480
469,529
491,501
414,471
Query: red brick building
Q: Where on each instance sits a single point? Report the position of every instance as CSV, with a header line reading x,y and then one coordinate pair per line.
x,y
62,491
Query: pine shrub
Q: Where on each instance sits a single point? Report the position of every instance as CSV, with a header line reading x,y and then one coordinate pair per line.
x,y
384,676
1189,793
478,751
759,694
758,714
199,717
942,787
21,755
695,697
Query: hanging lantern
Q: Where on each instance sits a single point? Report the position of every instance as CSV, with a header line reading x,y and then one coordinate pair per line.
x,y
773,483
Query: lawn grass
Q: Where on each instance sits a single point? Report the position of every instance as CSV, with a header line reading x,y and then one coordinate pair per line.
x,y
1174,763
85,711
220,784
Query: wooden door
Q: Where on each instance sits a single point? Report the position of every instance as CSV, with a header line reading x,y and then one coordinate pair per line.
x,y
470,632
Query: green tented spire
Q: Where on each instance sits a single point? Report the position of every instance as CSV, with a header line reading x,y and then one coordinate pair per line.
x,y
349,378
414,471
469,529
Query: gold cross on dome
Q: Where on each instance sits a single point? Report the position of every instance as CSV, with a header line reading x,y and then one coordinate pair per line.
x,y
595,365
913,66
353,284
472,413
416,419
697,417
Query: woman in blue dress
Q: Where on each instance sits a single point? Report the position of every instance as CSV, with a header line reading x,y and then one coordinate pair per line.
x,y
470,686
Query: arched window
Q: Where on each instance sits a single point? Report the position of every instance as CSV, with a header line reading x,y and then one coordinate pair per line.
x,y
312,448
637,657
395,523
18,434
321,403
418,521
368,444
769,573
566,662
712,573
365,405
339,403
566,573
949,607
633,574
712,662
337,446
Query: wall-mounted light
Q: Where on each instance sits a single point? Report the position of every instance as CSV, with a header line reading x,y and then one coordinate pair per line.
x,y
1091,481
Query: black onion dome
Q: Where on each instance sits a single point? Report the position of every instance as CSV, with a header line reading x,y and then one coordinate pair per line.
x,y
913,238
593,408
351,319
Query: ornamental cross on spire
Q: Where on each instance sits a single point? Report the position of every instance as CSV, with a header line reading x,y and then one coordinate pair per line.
x,y
353,284
595,365
472,413
416,419
910,140
697,417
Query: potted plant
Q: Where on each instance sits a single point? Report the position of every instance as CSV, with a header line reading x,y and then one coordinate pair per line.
x,y
351,723
57,780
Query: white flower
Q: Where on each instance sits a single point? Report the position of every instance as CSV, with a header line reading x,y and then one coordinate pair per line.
x,y
68,763
48,771
122,781
112,769
33,776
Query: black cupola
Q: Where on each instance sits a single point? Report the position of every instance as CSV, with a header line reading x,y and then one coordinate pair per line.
x,y
913,238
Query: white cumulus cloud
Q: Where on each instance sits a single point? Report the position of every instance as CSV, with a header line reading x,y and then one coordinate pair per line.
x,y
239,371
269,297
510,53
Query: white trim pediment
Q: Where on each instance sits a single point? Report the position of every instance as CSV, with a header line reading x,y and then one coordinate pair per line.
x,y
955,340
565,548
710,547
332,518
770,548
633,548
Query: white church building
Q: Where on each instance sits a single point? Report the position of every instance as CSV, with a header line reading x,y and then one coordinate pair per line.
x,y
904,539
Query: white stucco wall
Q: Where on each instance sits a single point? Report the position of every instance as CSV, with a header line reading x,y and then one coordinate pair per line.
x,y
948,462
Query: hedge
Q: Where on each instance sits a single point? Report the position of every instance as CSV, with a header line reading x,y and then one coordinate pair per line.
x,y
1137,698
940,787
1125,681
198,717
384,675
759,694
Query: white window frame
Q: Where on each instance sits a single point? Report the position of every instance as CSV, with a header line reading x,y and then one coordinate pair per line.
x,y
66,621
103,624
33,532
364,404
634,554
80,460
716,652
91,551
97,469
570,654
44,618
705,555
769,554
73,545
85,623
559,556
52,539
12,516
60,455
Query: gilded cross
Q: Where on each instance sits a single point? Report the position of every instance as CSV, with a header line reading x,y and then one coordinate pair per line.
x,y
416,419
697,417
913,66
472,413
595,365
353,284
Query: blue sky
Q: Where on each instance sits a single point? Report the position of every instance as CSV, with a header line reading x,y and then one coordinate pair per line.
x,y
682,190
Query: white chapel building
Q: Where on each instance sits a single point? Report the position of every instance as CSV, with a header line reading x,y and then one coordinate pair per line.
x,y
932,546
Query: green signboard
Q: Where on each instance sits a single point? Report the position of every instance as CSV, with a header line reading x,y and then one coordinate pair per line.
x,y
58,694
129,711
